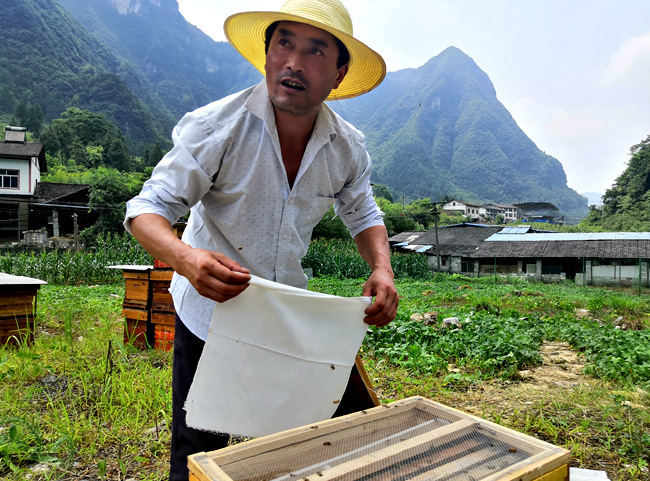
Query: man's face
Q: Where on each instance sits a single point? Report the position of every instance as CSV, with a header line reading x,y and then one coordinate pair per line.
x,y
301,68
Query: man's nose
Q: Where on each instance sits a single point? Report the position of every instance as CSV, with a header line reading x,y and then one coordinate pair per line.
x,y
294,61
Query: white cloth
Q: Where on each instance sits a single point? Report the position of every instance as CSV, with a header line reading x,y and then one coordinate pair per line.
x,y
226,165
276,357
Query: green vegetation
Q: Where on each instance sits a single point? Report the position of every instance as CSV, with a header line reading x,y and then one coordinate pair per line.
x,y
626,206
82,403
89,266
80,395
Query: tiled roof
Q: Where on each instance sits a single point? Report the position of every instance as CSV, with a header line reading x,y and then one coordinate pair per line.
x,y
613,248
53,192
25,151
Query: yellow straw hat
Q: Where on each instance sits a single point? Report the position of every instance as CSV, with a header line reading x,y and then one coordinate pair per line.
x,y
245,31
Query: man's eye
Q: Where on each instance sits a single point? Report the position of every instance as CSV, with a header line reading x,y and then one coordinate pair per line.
x,y
315,51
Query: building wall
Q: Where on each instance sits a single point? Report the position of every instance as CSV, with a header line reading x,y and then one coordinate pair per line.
x,y
614,275
28,174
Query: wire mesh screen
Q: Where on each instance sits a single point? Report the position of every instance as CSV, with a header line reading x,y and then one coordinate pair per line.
x,y
414,439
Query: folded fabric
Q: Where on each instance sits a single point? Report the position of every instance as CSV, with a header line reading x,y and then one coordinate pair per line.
x,y
276,357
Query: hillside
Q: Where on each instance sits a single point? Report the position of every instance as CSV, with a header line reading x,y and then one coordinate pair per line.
x,y
432,131
184,67
50,59
440,130
626,206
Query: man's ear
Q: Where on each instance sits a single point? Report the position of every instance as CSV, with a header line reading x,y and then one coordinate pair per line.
x,y
340,76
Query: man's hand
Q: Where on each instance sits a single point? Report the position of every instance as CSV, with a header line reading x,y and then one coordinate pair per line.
x,y
212,274
380,285
372,244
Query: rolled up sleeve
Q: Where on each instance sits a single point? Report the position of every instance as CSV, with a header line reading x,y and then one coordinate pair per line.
x,y
355,204
179,180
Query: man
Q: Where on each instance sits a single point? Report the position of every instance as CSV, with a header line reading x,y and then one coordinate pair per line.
x,y
258,170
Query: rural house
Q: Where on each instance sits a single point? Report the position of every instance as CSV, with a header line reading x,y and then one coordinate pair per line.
x,y
510,213
26,203
603,258
467,209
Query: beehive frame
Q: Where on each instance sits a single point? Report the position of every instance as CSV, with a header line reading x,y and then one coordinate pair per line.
x,y
413,439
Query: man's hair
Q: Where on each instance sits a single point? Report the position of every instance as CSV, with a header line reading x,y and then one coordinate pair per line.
x,y
344,55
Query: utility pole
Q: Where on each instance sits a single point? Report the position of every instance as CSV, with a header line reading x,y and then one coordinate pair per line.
x,y
435,213
76,232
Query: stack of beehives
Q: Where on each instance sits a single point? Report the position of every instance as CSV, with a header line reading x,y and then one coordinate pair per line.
x,y
147,308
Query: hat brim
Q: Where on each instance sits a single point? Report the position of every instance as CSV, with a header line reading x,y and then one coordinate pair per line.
x,y
367,69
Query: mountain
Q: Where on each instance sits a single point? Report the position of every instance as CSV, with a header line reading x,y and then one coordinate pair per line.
x,y
185,68
50,59
434,131
440,130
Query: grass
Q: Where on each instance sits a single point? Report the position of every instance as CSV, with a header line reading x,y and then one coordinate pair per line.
x,y
80,403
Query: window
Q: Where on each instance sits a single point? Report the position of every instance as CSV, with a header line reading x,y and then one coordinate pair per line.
x,y
9,178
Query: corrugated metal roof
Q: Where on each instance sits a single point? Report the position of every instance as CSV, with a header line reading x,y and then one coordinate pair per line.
x,y
520,229
577,236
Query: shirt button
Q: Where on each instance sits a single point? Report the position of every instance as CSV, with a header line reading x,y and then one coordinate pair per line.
x,y
285,236
281,268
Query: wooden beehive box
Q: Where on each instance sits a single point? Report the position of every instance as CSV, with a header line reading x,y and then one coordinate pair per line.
x,y
163,315
136,307
137,287
137,327
148,308
414,439
18,300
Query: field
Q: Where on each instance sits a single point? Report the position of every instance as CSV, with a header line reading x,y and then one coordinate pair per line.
x,y
569,365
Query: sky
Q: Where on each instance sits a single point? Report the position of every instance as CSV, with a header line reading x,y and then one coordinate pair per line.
x,y
574,74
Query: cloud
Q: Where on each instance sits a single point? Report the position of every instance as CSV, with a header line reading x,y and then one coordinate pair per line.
x,y
566,124
630,64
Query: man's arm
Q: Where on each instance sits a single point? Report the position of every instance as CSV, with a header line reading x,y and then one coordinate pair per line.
x,y
212,274
373,246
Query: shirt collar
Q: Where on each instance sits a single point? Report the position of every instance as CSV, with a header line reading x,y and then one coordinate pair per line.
x,y
259,104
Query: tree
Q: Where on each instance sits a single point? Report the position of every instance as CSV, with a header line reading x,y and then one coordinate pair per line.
x,y
330,227
626,205
56,139
382,191
156,154
109,192
117,155
34,120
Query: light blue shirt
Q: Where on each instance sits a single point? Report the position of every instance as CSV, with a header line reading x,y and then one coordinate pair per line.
x,y
226,168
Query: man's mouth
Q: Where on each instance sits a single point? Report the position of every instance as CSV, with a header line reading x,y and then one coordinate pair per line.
x,y
292,85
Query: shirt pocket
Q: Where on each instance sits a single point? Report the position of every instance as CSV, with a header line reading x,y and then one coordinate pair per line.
x,y
309,212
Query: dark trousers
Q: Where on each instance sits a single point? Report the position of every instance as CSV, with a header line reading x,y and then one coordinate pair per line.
x,y
187,441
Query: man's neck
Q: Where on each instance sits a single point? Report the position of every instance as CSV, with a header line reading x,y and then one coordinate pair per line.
x,y
294,133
